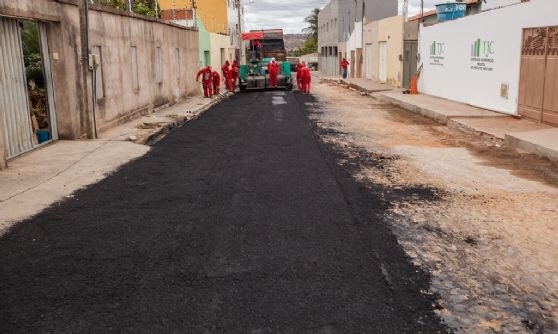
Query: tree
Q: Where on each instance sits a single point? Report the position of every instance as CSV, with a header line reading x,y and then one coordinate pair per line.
x,y
143,7
311,44
312,20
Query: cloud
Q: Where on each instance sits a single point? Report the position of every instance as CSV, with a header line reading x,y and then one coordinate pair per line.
x,y
286,14
414,5
290,14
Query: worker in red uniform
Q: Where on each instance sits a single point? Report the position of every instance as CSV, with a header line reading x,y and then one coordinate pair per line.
x,y
225,69
206,80
233,76
305,79
273,70
216,81
299,68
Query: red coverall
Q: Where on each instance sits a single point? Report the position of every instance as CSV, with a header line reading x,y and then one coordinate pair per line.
x,y
216,80
206,80
233,76
273,69
226,70
305,80
299,68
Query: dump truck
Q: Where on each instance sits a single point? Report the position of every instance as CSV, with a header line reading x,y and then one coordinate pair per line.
x,y
262,46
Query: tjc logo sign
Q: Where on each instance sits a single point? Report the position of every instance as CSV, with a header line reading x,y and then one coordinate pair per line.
x,y
481,48
437,48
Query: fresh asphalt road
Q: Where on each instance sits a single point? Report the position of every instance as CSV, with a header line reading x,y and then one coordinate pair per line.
x,y
238,222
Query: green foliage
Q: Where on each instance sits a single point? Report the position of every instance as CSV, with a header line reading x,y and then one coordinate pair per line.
x,y
142,7
118,4
32,52
312,20
146,7
311,44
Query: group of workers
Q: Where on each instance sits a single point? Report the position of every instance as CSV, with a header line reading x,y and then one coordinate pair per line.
x,y
211,79
303,78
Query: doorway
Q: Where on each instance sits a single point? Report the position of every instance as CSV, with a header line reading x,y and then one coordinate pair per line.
x,y
352,61
383,62
27,114
368,61
410,50
206,58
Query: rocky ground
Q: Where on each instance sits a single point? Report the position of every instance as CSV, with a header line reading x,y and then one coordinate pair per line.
x,y
485,226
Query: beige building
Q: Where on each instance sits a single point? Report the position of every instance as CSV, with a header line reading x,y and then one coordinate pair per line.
x,y
91,79
383,51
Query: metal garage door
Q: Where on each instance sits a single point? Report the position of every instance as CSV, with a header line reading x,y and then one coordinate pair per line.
x,y
14,105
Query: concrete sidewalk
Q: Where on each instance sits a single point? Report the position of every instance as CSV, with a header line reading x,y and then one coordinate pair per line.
x,y
519,134
46,175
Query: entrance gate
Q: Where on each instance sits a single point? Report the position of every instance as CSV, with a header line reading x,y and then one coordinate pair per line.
x,y
14,104
538,85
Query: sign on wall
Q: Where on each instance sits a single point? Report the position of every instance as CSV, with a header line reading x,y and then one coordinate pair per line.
x,y
437,50
482,55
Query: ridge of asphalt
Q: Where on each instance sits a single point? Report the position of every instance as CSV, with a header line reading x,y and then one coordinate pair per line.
x,y
514,132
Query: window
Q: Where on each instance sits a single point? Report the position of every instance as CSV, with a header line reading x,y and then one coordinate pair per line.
x,y
158,65
135,79
99,91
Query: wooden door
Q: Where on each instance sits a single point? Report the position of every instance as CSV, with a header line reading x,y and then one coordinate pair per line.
x,y
368,63
383,61
538,85
550,96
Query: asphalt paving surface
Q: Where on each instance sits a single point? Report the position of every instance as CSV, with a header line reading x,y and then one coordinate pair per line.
x,y
242,221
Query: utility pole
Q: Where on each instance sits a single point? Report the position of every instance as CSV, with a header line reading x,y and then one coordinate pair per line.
x,y
130,6
88,122
194,7
405,10
241,60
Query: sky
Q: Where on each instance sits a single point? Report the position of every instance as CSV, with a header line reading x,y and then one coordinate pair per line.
x,y
289,14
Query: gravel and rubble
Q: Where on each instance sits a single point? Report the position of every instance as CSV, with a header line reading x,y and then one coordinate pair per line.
x,y
487,228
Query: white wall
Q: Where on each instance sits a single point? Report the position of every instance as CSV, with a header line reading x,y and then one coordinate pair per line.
x,y
355,38
491,4
451,75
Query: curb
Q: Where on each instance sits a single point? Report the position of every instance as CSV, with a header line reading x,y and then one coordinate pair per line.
x,y
439,118
166,128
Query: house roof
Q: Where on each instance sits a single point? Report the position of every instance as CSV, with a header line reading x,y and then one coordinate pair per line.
x,y
425,14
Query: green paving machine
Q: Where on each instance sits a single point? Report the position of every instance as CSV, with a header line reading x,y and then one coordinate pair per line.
x,y
263,46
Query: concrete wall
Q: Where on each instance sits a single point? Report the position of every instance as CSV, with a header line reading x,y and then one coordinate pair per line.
x,y
371,61
492,4
328,38
451,72
390,30
218,42
158,85
204,41
350,12
410,30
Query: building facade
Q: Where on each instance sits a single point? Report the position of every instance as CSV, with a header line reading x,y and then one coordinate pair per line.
x,y
510,68
88,80
346,20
